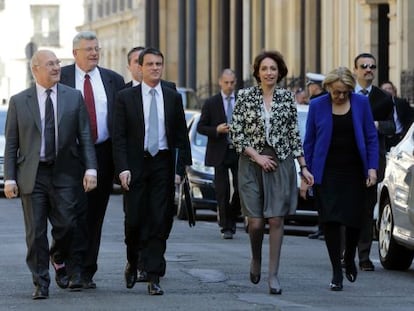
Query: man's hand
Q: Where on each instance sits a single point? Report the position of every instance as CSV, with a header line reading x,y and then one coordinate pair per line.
x,y
223,128
125,179
89,182
11,191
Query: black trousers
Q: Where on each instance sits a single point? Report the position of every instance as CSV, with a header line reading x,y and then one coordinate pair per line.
x,y
228,207
365,238
62,207
149,213
97,203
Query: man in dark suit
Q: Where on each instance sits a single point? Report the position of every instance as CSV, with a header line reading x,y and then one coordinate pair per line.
x,y
48,148
149,130
403,115
99,87
214,123
382,111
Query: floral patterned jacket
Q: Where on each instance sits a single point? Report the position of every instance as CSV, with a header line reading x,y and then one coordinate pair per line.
x,y
248,124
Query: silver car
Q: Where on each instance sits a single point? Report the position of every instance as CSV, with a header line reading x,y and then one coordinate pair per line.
x,y
396,207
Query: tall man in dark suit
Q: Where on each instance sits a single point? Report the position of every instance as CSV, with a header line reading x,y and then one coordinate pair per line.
x,y
214,122
149,129
403,115
382,111
99,87
48,148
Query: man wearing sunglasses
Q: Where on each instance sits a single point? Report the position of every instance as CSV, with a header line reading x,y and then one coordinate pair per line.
x,y
382,111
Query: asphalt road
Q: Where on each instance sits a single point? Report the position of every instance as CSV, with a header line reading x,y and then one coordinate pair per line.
x,y
204,272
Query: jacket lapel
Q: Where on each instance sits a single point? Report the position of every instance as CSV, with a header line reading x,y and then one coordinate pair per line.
x,y
33,106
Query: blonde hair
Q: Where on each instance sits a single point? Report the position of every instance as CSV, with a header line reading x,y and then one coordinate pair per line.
x,y
342,74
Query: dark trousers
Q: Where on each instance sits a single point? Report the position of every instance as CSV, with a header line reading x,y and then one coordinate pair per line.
x,y
97,204
62,208
149,213
365,240
228,208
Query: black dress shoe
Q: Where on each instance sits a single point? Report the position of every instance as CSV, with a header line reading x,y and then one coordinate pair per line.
x,y
154,289
130,275
336,287
366,265
61,277
315,235
88,284
75,282
40,292
142,276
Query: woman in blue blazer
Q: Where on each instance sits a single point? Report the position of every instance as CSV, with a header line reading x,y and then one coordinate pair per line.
x,y
341,151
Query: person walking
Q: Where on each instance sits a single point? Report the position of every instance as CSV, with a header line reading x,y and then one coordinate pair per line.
x,y
265,133
341,149
382,109
50,162
215,121
149,134
99,87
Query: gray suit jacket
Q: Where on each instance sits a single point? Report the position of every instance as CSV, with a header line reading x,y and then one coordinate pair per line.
x,y
75,150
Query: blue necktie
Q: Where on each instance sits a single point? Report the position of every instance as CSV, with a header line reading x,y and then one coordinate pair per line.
x,y
364,92
229,109
153,125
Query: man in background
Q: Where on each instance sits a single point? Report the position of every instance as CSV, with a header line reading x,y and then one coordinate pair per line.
x,y
214,122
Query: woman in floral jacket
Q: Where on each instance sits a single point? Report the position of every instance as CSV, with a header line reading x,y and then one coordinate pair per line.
x,y
265,132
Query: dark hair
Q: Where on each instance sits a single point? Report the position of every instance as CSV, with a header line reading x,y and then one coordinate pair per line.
x,y
149,50
134,49
277,57
363,55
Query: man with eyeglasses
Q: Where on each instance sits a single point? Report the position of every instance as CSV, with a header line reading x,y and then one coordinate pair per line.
x,y
99,87
50,162
382,110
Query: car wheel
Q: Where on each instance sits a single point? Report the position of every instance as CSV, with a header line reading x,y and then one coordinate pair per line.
x,y
181,208
392,255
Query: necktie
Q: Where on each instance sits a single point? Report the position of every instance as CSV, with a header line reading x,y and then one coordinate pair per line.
x,y
364,92
49,132
229,109
153,125
90,105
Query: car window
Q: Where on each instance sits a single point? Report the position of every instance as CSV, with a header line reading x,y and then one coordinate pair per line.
x,y
3,115
200,140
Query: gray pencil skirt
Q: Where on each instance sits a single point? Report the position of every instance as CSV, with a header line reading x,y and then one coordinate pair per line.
x,y
264,194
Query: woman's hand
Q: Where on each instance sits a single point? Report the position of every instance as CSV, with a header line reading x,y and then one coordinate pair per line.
x,y
267,163
372,177
307,177
304,187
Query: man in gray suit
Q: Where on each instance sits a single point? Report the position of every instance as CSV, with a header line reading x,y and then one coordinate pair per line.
x,y
50,161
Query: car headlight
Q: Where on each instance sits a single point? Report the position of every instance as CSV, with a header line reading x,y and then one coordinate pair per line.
x,y
200,167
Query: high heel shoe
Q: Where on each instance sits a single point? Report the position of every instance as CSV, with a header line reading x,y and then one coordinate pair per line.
x,y
255,277
351,272
275,291
274,285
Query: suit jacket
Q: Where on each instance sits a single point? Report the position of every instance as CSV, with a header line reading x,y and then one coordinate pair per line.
x,y
75,149
112,81
404,112
382,108
319,134
129,132
163,82
213,114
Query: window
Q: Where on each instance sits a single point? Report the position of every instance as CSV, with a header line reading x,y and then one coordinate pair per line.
x,y
45,24
121,5
114,6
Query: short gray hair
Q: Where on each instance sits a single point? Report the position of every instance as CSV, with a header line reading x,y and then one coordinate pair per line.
x,y
83,35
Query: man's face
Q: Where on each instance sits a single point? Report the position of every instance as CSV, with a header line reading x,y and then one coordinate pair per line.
x,y
47,69
365,70
227,83
151,68
133,66
87,54
387,87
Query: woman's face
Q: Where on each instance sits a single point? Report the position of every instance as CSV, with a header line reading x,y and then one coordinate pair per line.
x,y
268,72
339,92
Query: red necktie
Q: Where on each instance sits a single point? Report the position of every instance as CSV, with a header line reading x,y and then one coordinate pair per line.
x,y
90,106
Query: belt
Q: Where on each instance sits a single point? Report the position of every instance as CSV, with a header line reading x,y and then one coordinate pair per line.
x,y
160,152
46,163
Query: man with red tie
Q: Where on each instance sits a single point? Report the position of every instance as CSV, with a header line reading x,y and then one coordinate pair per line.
x,y
99,87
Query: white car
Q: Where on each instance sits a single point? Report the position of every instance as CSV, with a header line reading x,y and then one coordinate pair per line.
x,y
396,207
3,114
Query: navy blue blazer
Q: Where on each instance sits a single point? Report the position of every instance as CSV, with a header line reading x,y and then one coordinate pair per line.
x,y
319,134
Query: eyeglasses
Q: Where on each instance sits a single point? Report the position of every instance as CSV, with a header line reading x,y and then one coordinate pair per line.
x,y
90,49
51,64
370,66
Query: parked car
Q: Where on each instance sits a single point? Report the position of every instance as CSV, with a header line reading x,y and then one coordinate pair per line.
x,y
395,221
3,114
190,99
201,178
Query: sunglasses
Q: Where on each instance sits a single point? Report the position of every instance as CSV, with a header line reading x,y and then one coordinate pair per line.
x,y
370,66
